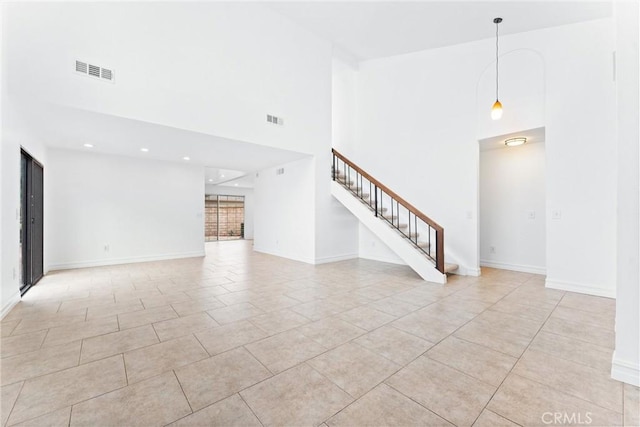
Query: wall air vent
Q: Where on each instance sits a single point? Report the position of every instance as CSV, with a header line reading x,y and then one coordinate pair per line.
x,y
275,120
106,74
94,71
81,67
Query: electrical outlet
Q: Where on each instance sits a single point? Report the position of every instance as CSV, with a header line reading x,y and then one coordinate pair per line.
x,y
531,215
492,249
556,214
106,247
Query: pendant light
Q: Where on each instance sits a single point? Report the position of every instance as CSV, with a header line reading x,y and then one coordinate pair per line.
x,y
496,110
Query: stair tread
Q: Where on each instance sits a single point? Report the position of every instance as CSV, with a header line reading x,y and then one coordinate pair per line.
x,y
449,267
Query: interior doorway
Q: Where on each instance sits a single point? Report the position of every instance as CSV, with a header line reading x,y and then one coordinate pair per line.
x,y
224,217
31,221
512,219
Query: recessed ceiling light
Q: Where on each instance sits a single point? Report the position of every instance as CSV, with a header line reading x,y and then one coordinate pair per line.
x,y
235,185
210,180
222,176
144,150
186,158
88,145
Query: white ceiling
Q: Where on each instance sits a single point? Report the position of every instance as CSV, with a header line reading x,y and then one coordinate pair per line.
x,y
247,180
216,176
370,30
71,128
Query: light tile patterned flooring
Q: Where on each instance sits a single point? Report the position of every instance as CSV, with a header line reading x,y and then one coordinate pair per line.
x,y
242,338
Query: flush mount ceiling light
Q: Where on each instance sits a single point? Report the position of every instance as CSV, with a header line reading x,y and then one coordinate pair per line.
x,y
496,110
144,150
88,145
186,158
513,142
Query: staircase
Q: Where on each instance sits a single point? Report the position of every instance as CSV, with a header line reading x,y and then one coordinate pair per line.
x,y
414,237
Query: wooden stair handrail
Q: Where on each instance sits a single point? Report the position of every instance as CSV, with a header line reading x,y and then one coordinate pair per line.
x,y
437,227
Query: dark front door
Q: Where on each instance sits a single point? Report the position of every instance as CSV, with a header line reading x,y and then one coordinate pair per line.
x,y
32,221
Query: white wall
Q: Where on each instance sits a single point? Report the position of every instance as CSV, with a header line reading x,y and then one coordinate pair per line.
x,y
512,187
371,247
219,70
343,100
521,90
284,217
225,190
5,295
626,359
417,131
142,209
10,143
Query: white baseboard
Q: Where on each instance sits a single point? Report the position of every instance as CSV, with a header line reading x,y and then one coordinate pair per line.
x,y
625,371
513,267
475,272
13,300
580,288
329,259
129,260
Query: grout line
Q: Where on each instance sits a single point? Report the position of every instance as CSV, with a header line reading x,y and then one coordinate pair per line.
x,y
15,401
182,389
250,408
80,352
421,405
43,340
200,342
126,374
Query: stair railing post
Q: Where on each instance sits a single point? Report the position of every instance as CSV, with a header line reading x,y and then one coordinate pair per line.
x,y
333,170
375,187
440,250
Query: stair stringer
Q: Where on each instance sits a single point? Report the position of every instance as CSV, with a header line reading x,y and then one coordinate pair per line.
x,y
397,243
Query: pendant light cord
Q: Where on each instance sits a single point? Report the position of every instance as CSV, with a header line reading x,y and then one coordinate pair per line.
x,y
497,60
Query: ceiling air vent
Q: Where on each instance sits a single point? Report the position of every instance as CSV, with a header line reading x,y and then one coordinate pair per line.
x,y
94,71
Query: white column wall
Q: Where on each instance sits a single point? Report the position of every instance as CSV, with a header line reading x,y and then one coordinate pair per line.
x,y
626,359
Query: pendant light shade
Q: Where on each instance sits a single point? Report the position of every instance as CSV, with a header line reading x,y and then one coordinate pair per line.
x,y
496,110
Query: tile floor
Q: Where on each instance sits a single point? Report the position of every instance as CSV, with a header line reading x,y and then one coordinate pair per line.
x,y
241,338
